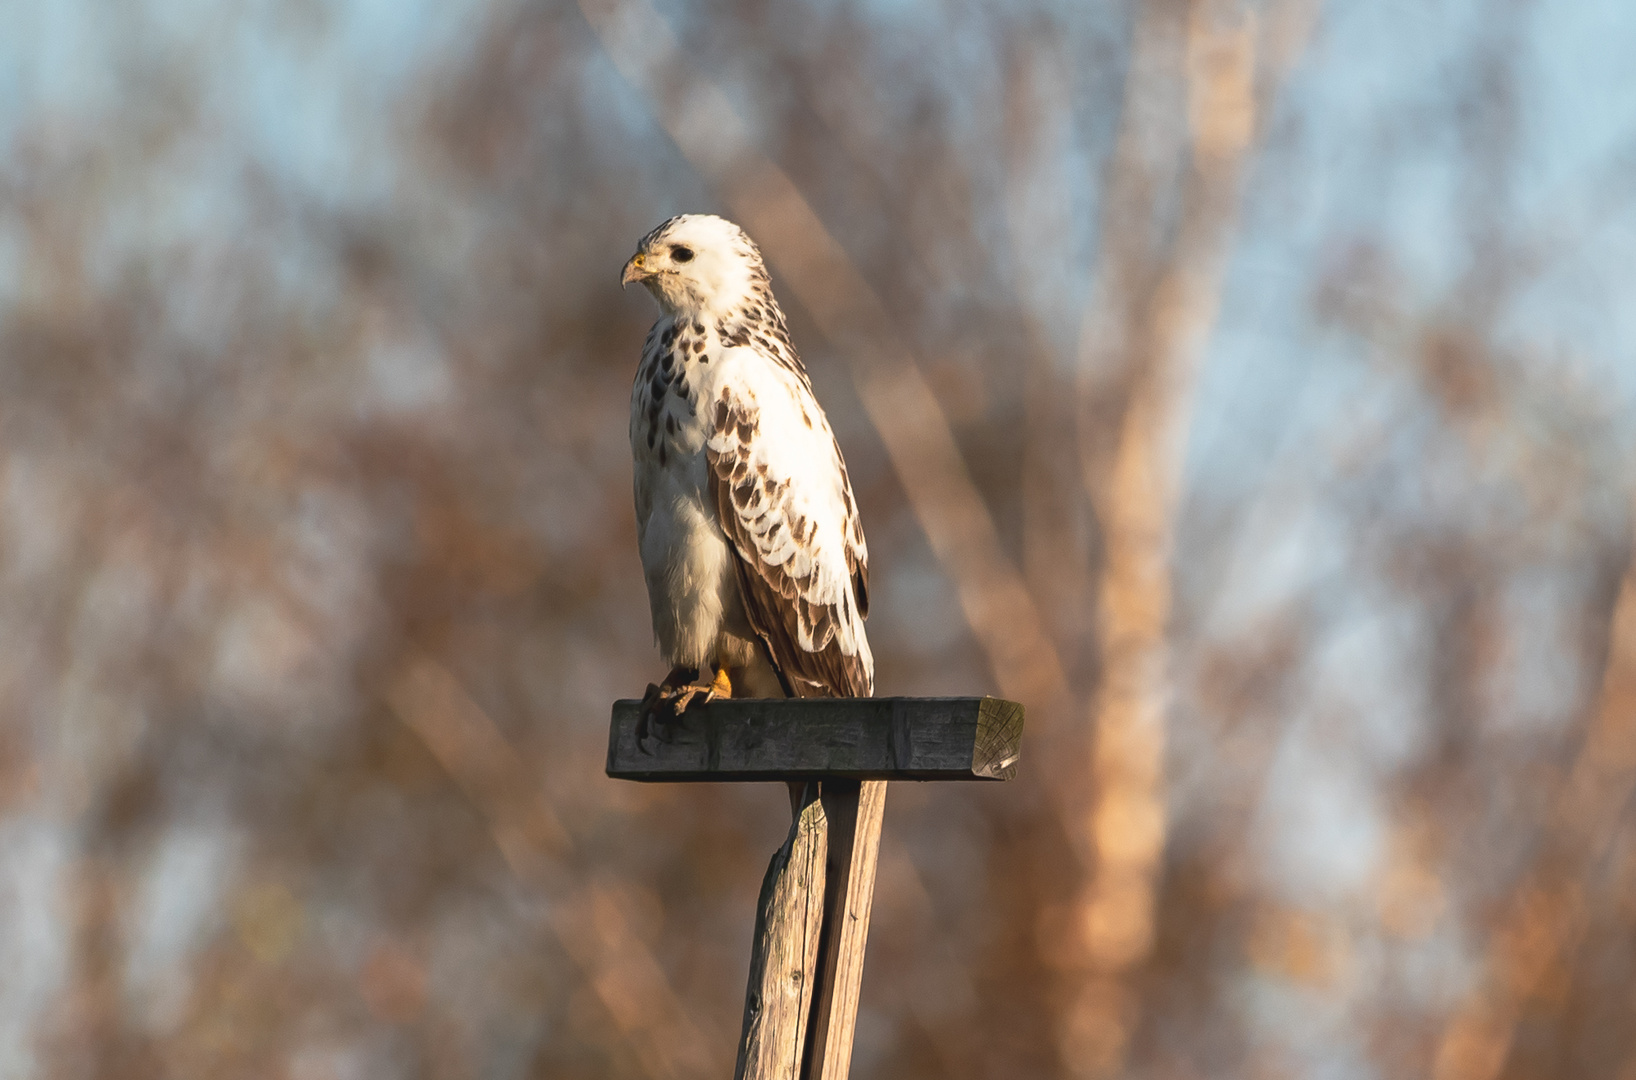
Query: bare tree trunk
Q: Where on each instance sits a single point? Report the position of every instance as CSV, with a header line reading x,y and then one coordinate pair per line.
x,y
1545,921
1160,313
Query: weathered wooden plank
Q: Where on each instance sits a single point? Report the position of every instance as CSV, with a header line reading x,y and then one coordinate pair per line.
x,y
822,738
855,811
784,959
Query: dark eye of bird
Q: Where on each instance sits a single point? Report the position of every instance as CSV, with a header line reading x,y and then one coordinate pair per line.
x,y
681,254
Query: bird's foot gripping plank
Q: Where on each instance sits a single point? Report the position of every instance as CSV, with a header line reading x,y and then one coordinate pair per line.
x,y
665,703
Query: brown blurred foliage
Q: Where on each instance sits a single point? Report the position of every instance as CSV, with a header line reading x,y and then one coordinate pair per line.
x,y
1303,533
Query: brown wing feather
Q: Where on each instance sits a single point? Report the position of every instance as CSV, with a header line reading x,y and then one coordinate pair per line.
x,y
775,602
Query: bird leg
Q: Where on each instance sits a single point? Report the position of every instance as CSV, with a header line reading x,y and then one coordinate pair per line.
x,y
664,704
719,687
658,700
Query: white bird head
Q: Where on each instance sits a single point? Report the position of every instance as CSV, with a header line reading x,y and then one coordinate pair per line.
x,y
698,264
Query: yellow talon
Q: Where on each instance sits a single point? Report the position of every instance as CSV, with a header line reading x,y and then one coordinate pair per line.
x,y
679,696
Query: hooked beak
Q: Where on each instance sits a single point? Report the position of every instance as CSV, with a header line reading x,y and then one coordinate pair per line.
x,y
635,270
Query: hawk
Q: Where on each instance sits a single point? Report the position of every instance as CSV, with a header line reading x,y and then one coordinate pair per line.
x,y
757,572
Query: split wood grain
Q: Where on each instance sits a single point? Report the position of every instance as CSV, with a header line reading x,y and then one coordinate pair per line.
x,y
789,924
855,811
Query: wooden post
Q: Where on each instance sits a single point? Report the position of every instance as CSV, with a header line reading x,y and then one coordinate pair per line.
x,y
789,932
812,920
854,809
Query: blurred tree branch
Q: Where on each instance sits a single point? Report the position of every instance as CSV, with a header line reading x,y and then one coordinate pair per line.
x,y
587,918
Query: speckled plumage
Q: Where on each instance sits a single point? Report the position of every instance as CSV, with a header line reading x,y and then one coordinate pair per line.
x,y
749,534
